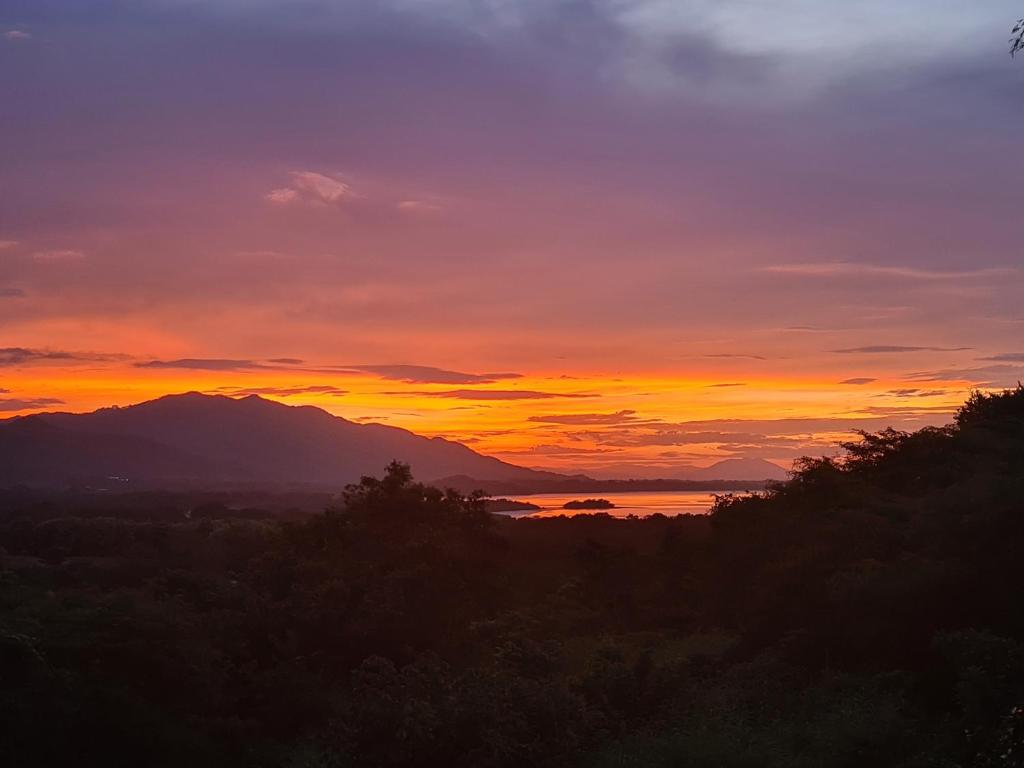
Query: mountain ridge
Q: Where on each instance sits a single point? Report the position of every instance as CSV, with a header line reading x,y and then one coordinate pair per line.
x,y
198,439
248,439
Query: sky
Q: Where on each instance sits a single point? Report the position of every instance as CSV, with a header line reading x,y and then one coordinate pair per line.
x,y
625,237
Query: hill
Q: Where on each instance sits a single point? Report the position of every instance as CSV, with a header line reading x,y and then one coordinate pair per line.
x,y
215,440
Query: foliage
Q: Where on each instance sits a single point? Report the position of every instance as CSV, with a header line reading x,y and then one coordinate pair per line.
x,y
866,612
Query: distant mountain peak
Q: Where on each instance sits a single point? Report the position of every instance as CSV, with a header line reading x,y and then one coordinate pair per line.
x,y
740,469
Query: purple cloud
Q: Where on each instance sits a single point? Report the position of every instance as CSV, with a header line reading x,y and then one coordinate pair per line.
x,y
496,394
425,374
27,404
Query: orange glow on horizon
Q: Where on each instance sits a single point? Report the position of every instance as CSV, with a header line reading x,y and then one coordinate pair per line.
x,y
588,421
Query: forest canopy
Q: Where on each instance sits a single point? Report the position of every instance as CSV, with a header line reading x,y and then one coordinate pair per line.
x,y
866,612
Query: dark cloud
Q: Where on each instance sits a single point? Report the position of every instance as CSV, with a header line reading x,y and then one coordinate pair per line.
x,y
848,270
858,380
27,404
1000,375
619,417
560,450
425,374
729,384
313,389
777,434
892,348
11,293
10,356
910,410
204,364
682,437
699,61
726,443
811,448
912,392
1006,357
496,394
413,374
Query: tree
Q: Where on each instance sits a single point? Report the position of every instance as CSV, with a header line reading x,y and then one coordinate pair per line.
x,y
1017,37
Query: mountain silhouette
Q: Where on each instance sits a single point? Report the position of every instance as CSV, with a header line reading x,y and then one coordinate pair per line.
x,y
36,453
212,439
739,469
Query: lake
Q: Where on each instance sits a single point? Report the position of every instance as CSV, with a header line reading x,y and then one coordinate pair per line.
x,y
640,503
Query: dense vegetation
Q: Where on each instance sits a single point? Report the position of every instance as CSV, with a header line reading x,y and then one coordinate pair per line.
x,y
588,504
866,613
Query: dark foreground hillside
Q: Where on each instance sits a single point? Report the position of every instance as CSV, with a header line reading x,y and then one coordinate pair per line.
x,y
866,613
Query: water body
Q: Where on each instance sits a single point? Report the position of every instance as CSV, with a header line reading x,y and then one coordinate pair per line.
x,y
639,503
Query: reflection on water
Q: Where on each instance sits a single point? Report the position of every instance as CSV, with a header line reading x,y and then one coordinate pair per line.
x,y
639,503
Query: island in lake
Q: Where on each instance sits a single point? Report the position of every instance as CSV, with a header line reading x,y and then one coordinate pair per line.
x,y
589,504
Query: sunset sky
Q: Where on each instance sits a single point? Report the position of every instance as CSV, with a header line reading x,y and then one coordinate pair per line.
x,y
622,237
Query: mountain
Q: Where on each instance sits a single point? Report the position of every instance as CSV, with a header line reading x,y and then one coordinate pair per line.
x,y
212,439
36,453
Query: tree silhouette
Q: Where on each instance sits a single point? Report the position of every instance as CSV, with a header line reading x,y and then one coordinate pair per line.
x,y
865,612
1017,37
